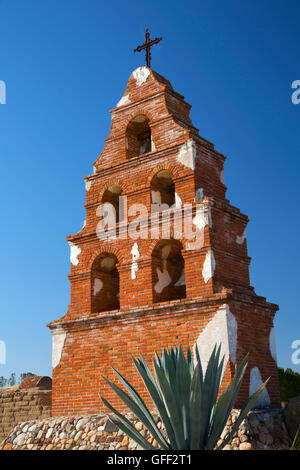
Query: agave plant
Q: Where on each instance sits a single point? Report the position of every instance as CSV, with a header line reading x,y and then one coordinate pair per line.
x,y
186,400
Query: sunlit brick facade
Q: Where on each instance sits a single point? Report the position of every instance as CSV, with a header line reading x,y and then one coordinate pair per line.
x,y
137,295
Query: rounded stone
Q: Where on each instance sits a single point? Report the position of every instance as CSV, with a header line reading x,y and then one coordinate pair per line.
x,y
246,446
125,441
139,426
19,440
8,446
81,423
49,433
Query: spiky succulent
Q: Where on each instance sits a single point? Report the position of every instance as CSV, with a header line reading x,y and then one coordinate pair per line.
x,y
185,398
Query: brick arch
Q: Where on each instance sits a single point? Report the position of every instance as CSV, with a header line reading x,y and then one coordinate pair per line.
x,y
138,112
111,250
155,242
163,166
111,182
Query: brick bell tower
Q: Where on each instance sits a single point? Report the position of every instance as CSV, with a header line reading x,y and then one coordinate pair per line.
x,y
140,280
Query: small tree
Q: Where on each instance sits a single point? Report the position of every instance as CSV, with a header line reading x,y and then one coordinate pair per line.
x,y
12,380
289,382
3,381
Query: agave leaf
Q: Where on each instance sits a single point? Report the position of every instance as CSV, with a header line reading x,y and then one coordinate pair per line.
x,y
171,405
190,362
206,404
169,367
183,386
150,423
157,399
126,426
195,409
243,413
135,408
200,365
225,404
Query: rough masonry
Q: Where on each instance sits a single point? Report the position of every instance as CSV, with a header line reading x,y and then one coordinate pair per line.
x,y
136,290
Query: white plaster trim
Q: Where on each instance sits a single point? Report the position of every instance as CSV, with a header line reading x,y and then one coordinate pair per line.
x,y
156,197
208,266
242,238
199,195
272,344
177,203
140,75
202,217
263,400
164,280
88,185
222,177
187,154
124,100
98,284
74,253
222,329
58,341
135,256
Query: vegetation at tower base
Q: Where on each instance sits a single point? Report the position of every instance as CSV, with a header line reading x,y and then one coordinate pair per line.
x,y
289,382
186,400
296,442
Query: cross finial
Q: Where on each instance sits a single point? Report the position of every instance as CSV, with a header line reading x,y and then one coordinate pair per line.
x,y
148,44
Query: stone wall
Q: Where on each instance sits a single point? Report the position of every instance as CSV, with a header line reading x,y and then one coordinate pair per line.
x,y
29,401
261,430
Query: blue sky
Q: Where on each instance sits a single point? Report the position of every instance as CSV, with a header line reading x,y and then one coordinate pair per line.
x,y
66,63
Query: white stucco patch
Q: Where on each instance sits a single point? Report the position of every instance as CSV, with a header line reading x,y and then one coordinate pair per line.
x,y
88,185
178,202
124,100
181,281
222,329
242,238
164,279
140,75
153,147
222,177
74,253
199,194
58,341
156,197
187,154
109,214
272,344
98,284
94,169
208,266
202,217
255,382
135,256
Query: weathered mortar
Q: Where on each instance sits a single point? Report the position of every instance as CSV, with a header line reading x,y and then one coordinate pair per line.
x,y
20,403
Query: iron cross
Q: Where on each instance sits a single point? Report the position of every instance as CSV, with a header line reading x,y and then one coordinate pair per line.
x,y
148,44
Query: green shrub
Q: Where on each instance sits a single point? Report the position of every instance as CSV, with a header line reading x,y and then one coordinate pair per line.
x,y
289,382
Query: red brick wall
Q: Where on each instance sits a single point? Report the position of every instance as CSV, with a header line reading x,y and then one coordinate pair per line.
x,y
96,338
